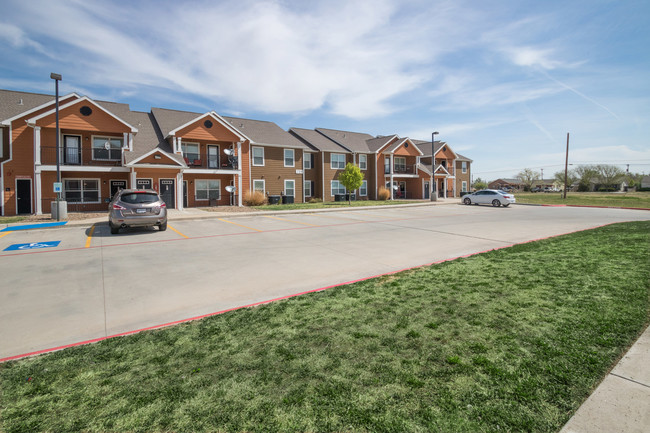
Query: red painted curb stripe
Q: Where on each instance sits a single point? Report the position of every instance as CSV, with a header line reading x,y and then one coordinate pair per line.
x,y
176,322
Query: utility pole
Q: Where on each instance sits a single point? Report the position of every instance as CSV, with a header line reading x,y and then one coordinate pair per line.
x,y
566,165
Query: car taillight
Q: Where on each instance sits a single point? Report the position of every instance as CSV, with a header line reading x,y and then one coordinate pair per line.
x,y
163,205
118,207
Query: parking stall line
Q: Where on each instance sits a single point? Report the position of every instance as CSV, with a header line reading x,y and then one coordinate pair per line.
x,y
90,236
240,225
172,228
4,234
291,221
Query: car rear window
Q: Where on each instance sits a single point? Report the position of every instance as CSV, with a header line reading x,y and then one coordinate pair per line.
x,y
139,197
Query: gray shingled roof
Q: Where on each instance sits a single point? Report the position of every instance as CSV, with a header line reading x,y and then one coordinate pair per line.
x,y
425,146
463,158
264,132
168,120
355,141
316,140
13,103
374,144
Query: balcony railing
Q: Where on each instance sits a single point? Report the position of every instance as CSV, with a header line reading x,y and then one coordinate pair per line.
x,y
195,161
401,169
79,156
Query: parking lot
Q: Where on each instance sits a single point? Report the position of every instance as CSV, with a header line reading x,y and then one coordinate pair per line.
x,y
67,285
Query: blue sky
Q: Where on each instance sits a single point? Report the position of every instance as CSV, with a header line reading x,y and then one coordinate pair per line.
x,y
502,81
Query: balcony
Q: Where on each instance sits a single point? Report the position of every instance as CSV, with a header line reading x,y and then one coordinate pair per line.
x,y
211,163
81,157
401,169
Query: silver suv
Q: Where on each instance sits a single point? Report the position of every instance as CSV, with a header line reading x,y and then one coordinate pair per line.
x,y
137,208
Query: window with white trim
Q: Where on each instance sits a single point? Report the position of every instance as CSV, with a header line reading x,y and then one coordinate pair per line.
x,y
307,188
289,160
337,188
259,185
464,166
190,151
209,189
81,190
258,156
337,161
363,162
289,187
464,186
308,160
107,148
363,189
400,164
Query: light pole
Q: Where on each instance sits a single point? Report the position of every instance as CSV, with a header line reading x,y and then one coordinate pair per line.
x,y
432,189
57,78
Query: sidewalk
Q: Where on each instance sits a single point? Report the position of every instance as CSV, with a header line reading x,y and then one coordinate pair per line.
x,y
621,403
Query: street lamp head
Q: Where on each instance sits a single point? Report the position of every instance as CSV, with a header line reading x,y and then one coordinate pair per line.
x,y
435,133
56,77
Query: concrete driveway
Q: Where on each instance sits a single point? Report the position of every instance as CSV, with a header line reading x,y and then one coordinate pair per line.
x,y
94,284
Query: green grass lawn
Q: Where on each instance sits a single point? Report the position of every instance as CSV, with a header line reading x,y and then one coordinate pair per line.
x,y
629,199
510,340
12,219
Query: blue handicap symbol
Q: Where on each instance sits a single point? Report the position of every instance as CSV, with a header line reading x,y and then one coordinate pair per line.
x,y
32,246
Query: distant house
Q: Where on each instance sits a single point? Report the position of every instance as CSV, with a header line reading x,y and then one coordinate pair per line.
x,y
645,182
505,184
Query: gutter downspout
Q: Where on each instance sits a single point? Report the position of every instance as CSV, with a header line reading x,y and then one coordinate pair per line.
x,y
239,180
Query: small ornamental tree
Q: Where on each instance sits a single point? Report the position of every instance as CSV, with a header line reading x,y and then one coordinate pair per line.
x,y
351,178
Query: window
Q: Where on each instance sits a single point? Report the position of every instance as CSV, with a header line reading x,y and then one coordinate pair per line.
x,y
308,160
259,185
213,156
464,186
464,166
190,151
288,157
363,162
290,187
338,161
139,198
208,189
107,148
258,156
363,190
400,164
337,187
308,188
81,190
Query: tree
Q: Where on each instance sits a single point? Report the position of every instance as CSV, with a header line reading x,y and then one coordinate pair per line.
x,y
572,178
609,175
479,184
586,174
351,178
527,177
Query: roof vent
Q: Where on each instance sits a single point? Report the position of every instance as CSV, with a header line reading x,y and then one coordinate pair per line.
x,y
207,124
86,110
20,101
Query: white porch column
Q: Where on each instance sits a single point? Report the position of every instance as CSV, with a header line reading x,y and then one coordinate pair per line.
x,y
179,149
132,176
37,191
240,193
392,192
37,145
445,187
179,190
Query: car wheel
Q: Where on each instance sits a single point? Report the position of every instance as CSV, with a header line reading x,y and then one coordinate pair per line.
x,y
162,227
467,201
114,229
496,203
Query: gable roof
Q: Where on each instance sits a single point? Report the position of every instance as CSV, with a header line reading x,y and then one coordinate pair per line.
x,y
264,132
17,104
316,140
377,143
355,141
400,142
148,139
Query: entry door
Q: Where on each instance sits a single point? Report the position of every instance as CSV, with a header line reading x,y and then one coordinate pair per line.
x,y
167,188
213,156
426,190
402,189
143,184
72,149
185,194
117,185
23,196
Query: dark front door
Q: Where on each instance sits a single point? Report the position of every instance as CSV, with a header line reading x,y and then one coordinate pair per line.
x,y
117,185
426,190
24,196
143,184
167,192
72,150
185,193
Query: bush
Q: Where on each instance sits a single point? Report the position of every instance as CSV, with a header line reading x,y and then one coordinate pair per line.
x,y
383,194
255,198
314,200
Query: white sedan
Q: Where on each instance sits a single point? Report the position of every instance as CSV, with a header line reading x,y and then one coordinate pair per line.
x,y
490,196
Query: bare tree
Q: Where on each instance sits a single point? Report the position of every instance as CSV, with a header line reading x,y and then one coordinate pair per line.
x,y
527,177
572,178
609,174
586,174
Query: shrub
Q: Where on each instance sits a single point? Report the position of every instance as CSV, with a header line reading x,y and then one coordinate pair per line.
x,y
255,198
383,193
315,200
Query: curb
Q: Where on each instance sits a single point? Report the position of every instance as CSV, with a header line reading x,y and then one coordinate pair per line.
x,y
582,205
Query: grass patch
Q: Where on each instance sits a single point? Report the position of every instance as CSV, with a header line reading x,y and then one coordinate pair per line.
x,y
330,204
628,199
510,340
12,219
